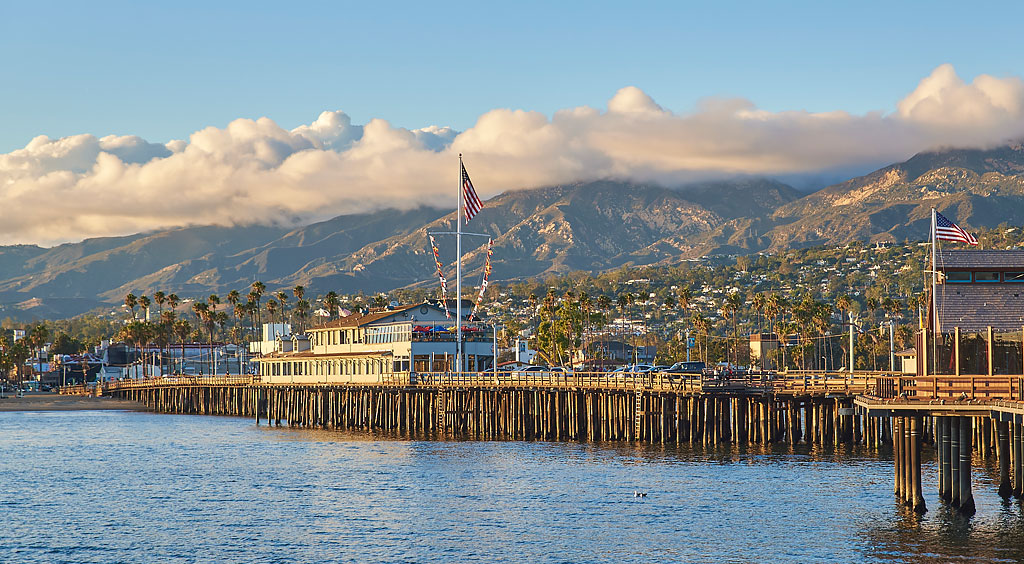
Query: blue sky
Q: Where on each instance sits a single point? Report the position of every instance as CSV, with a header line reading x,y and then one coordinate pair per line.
x,y
163,103
165,70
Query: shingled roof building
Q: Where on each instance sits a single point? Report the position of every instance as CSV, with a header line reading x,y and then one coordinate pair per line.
x,y
975,324
382,345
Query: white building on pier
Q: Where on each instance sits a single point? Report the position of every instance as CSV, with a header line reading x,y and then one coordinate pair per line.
x,y
382,345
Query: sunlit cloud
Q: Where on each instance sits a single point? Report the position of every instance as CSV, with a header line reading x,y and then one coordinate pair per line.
x,y
255,171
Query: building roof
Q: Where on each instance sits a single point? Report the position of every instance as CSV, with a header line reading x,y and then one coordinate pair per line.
x,y
320,356
995,259
360,319
975,307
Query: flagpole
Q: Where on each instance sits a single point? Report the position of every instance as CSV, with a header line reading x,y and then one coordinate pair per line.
x,y
458,274
935,302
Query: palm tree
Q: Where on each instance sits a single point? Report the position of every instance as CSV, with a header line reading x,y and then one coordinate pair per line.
x,y
700,327
159,298
302,312
182,329
220,319
331,303
283,298
131,302
625,300
255,294
144,304
165,332
731,307
871,304
299,292
271,309
202,311
759,302
172,301
36,340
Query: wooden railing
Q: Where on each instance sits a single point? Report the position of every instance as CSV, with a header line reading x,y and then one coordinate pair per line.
x,y
881,385
789,384
963,387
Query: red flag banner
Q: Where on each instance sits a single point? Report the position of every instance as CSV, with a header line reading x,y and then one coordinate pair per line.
x,y
440,276
487,275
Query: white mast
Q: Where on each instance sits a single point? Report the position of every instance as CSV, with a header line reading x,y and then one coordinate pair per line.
x,y
458,275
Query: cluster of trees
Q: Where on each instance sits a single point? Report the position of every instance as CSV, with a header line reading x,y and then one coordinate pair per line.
x,y
808,294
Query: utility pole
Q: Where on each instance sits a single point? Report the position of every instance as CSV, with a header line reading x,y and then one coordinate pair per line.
x,y
851,343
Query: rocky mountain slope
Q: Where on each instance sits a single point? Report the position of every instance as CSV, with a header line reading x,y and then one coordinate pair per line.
x,y
593,226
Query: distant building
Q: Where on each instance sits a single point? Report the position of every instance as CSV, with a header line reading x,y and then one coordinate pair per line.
x,y
762,345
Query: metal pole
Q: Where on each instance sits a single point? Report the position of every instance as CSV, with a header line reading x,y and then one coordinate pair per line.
x,y
892,350
458,273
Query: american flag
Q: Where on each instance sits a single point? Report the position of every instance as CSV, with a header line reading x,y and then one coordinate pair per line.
x,y
472,201
946,230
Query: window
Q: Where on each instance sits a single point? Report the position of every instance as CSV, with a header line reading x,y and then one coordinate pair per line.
x,y
1013,276
957,277
986,277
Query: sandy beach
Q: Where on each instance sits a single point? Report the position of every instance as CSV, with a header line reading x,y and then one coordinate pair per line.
x,y
47,401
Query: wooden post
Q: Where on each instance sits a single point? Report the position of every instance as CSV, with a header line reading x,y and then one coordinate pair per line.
x,y
966,497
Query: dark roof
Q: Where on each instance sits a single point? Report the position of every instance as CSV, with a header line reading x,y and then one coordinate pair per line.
x,y
980,259
359,319
975,307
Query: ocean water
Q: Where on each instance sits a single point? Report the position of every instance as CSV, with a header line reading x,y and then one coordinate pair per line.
x,y
139,487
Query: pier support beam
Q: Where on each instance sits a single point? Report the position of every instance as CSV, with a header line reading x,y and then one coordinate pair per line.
x,y
917,499
897,457
1018,454
1003,453
966,497
954,461
945,468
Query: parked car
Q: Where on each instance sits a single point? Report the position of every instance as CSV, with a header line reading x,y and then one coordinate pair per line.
x,y
530,371
694,367
633,369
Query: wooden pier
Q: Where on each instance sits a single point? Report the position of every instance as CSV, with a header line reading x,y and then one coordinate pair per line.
x,y
958,416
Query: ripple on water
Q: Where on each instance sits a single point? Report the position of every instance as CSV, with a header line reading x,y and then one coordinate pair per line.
x,y
124,487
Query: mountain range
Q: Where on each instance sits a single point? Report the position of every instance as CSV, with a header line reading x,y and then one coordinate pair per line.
x,y
588,226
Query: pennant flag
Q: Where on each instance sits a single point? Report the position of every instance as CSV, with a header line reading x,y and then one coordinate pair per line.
x,y
440,276
946,230
487,275
471,202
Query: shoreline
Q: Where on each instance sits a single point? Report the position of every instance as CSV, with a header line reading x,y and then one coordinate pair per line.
x,y
47,401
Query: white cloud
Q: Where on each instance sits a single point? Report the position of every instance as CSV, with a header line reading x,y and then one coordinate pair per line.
x,y
252,171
